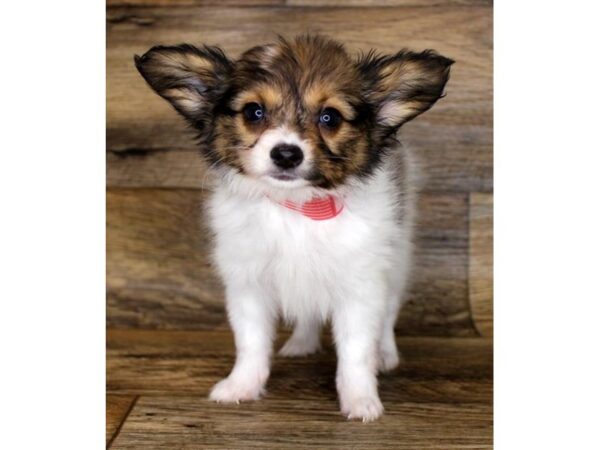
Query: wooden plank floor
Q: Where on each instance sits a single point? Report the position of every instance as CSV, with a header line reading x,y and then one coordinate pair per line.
x,y
441,397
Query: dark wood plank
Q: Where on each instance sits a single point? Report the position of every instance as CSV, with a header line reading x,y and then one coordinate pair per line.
x,y
454,139
155,362
117,408
159,273
274,423
481,261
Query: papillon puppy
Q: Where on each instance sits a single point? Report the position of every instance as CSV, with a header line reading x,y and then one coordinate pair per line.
x,y
314,204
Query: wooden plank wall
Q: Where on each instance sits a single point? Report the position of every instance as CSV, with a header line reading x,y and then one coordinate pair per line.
x,y
158,271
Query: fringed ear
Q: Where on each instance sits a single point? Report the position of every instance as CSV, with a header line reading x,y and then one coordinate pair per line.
x,y
191,79
404,85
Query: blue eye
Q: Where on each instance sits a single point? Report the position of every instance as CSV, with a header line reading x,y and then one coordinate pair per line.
x,y
253,112
330,118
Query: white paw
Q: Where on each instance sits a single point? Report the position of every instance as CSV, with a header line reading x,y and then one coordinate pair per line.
x,y
388,360
297,347
367,408
235,390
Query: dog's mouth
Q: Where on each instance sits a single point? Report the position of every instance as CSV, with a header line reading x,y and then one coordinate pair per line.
x,y
282,176
286,179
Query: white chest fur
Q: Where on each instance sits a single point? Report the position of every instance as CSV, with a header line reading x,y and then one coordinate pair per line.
x,y
305,267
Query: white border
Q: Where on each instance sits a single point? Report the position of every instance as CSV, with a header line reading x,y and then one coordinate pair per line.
x,y
547,225
52,238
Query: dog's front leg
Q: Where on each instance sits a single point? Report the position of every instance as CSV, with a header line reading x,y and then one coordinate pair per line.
x,y
253,322
356,325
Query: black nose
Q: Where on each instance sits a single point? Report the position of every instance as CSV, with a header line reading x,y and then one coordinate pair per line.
x,y
287,156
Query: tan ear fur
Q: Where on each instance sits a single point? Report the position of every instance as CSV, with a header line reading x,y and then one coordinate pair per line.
x,y
406,84
191,79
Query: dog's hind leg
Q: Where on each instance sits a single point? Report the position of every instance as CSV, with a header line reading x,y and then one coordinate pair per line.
x,y
389,357
305,339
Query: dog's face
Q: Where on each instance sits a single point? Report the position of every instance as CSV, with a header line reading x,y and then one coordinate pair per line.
x,y
300,113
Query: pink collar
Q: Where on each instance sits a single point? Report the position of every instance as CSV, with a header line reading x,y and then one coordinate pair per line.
x,y
318,208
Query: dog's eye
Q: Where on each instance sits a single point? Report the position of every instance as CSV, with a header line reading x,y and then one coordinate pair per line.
x,y
330,118
253,112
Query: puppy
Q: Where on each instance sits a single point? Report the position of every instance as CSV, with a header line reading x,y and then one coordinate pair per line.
x,y
315,202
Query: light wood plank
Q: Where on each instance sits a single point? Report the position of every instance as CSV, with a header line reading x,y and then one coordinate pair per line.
x,y
481,261
117,408
159,274
192,423
454,139
372,3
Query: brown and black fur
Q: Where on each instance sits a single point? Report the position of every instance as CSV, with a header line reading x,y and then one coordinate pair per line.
x,y
294,80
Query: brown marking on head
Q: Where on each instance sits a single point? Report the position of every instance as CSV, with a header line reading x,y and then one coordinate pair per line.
x,y
344,110
269,96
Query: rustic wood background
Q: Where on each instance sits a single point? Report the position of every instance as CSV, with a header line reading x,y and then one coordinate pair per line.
x,y
158,272
168,340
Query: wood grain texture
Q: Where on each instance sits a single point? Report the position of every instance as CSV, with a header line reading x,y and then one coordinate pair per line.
x,y
159,272
117,408
439,398
166,362
292,3
192,423
481,261
454,139
174,343
203,3
372,3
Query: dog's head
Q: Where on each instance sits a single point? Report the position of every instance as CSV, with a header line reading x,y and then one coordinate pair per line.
x,y
300,113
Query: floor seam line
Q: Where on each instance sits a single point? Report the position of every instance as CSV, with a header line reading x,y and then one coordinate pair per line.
x,y
118,430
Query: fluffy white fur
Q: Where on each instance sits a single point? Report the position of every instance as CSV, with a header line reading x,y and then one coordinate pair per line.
x,y
351,270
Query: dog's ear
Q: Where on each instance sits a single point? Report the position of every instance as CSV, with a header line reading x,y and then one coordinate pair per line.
x,y
404,85
191,79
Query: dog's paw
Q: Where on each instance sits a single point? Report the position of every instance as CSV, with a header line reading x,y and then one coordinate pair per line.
x,y
298,347
367,409
235,390
388,360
